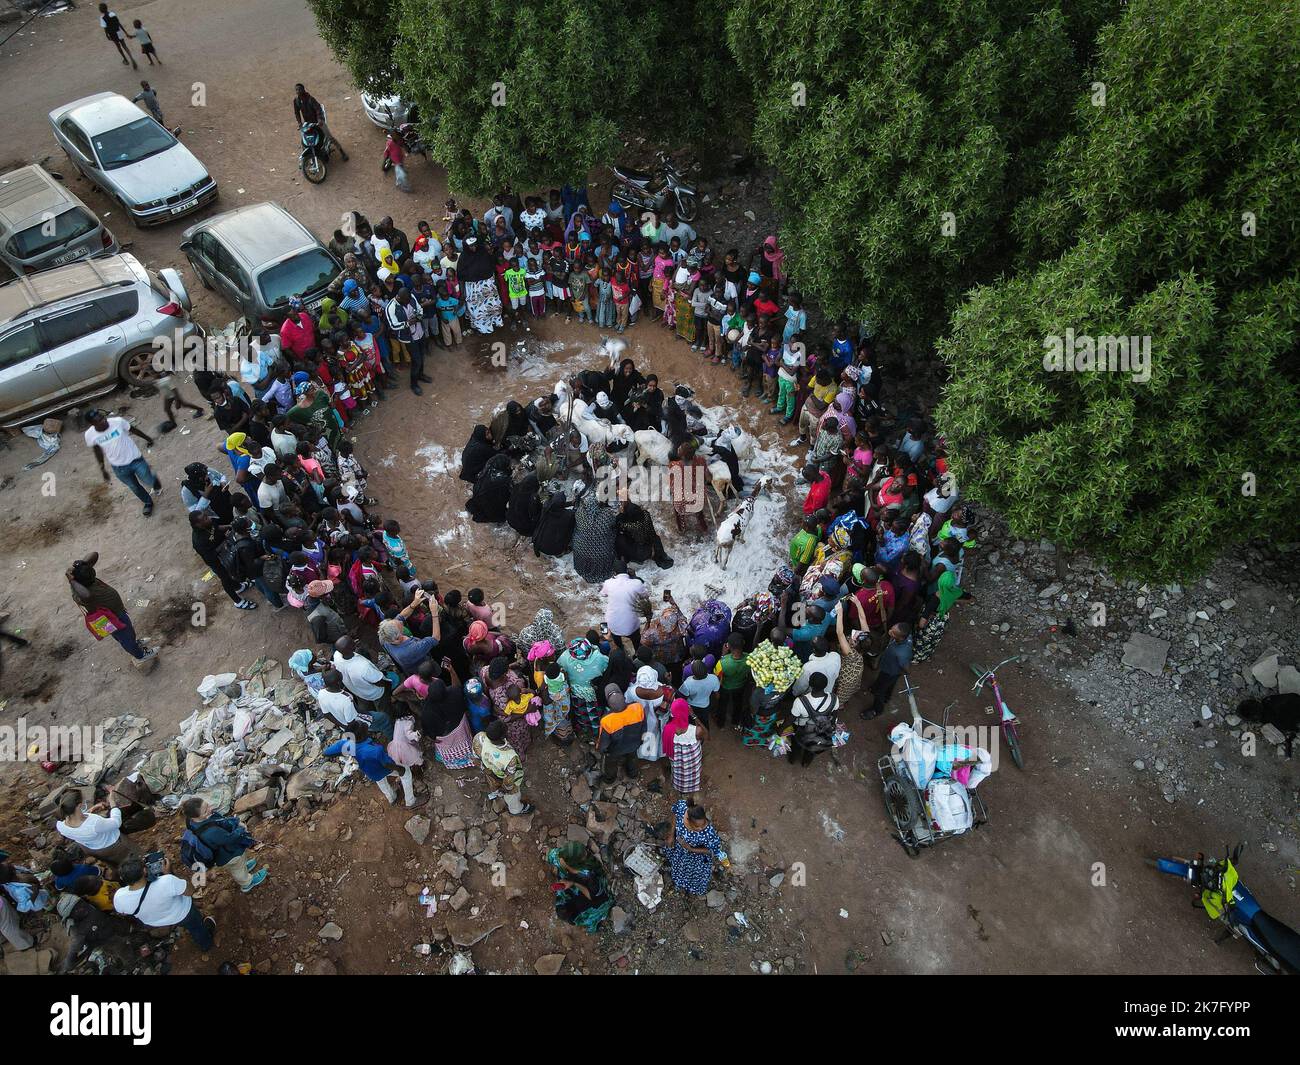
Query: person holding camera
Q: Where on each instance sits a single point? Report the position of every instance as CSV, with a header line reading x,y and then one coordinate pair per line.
x,y
157,899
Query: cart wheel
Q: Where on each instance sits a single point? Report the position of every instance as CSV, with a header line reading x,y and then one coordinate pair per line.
x,y
912,852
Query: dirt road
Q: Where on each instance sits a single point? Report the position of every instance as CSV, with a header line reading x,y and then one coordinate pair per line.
x,y
1054,883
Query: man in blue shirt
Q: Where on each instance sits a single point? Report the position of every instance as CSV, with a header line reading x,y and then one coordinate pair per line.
x,y
374,762
894,660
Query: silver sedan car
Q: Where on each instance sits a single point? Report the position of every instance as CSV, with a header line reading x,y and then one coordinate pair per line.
x,y
132,158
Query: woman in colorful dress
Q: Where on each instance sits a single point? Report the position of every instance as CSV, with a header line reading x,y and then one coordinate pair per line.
x,y
477,274
360,378
683,739
852,640
582,665
694,848
498,677
582,895
684,281
404,747
668,314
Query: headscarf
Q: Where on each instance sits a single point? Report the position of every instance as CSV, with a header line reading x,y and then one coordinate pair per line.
x,y
319,589
235,443
541,649
196,476
542,628
576,857
679,715
295,303
580,648
647,677
773,254
478,630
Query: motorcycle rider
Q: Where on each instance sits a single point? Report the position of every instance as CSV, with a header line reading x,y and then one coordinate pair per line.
x,y
306,108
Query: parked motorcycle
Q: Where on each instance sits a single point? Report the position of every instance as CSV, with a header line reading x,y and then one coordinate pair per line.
x,y
1226,899
316,150
656,190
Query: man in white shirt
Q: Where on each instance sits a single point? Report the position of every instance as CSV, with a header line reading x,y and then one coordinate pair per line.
x,y
627,601
270,493
98,834
360,675
335,700
161,903
823,661
111,438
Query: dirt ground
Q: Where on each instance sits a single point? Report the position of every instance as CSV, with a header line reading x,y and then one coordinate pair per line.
x,y
1023,894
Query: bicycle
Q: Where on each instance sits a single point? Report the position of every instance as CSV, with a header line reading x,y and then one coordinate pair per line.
x,y
1009,722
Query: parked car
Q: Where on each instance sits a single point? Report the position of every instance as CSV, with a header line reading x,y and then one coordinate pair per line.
x,y
42,224
387,111
258,257
78,331
134,160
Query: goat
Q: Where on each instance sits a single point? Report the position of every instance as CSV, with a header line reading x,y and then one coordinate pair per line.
x,y
652,447
731,531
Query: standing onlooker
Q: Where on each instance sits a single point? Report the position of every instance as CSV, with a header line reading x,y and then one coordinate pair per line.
x,y
374,762
162,903
894,661
683,739
225,840
111,438
113,30
620,735
103,608
208,539
502,765
626,603
395,156
362,677
814,713
695,845
147,48
150,99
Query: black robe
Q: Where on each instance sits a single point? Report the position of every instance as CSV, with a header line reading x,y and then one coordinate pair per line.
x,y
491,491
524,510
476,454
554,534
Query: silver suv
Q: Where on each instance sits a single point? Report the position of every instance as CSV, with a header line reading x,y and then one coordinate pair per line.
x,y
78,331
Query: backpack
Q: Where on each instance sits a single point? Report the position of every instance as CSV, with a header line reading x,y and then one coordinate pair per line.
x,y
194,852
228,555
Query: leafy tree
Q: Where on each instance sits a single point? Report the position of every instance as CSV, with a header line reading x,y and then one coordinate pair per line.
x,y
541,92
904,133
1172,211
360,33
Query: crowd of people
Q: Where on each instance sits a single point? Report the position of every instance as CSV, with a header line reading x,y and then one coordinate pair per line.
x,y
412,672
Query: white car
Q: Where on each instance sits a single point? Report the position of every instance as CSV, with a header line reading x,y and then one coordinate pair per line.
x,y
134,160
386,112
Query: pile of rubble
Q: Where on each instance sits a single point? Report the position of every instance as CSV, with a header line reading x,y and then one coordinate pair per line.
x,y
252,747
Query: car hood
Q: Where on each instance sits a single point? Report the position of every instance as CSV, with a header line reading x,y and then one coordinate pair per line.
x,y
159,176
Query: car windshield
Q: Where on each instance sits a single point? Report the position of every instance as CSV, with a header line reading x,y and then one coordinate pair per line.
x,y
60,230
301,275
130,143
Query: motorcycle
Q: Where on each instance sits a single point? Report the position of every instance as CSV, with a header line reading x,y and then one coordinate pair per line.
x,y
1226,899
656,190
316,150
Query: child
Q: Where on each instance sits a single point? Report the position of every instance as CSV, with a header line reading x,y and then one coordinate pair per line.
x,y
733,673
771,361
804,542
622,295
448,317
149,98
478,609
517,284
557,282
536,282
578,285
351,472
96,890
604,300
146,42
409,582
396,547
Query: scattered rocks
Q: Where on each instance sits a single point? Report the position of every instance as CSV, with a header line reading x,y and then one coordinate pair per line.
x,y
1146,653
418,828
549,964
331,931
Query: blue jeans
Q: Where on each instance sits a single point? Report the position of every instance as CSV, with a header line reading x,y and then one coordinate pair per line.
x,y
272,596
125,638
200,932
139,478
